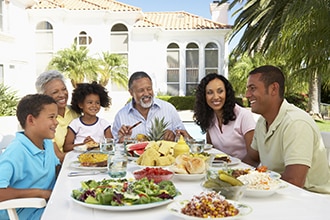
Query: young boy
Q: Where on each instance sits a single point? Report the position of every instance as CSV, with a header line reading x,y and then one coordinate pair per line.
x,y
28,165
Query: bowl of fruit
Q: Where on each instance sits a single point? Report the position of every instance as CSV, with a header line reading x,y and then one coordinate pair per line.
x,y
228,186
157,174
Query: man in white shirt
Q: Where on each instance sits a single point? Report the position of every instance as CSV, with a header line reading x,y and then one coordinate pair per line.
x,y
145,107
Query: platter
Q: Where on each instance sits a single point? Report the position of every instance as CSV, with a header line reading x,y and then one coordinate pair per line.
x,y
81,148
123,208
175,209
189,177
233,161
76,165
261,192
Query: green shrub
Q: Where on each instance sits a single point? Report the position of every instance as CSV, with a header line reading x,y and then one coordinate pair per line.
x,y
8,101
180,102
183,102
298,99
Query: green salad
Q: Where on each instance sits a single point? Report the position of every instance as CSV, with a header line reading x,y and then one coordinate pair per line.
x,y
121,192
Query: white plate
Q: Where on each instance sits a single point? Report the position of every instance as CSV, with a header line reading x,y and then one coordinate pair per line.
x,y
274,175
261,193
175,209
77,165
233,161
189,177
81,148
123,208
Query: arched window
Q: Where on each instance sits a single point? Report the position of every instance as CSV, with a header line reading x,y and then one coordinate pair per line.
x,y
192,68
119,45
119,39
211,58
83,40
173,69
44,45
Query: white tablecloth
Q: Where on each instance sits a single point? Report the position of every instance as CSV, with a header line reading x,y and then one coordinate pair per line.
x,y
289,203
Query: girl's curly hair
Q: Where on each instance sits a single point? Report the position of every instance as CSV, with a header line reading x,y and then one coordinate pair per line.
x,y
203,113
83,89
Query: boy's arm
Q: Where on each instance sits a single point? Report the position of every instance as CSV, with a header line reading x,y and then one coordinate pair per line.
x,y
13,193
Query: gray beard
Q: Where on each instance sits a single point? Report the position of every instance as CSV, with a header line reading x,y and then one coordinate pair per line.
x,y
146,105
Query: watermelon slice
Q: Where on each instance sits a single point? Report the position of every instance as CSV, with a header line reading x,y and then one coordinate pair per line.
x,y
137,153
138,146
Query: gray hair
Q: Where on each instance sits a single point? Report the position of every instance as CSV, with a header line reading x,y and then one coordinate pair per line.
x,y
46,77
137,75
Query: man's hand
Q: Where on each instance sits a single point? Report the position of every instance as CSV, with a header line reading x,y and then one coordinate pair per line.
x,y
124,131
169,135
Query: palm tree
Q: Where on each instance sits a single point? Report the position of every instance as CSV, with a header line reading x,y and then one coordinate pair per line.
x,y
113,68
75,64
295,30
240,66
8,101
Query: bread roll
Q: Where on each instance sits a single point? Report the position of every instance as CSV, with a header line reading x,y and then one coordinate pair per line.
x,y
179,169
195,165
182,159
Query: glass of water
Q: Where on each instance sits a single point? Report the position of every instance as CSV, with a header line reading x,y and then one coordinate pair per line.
x,y
196,145
107,145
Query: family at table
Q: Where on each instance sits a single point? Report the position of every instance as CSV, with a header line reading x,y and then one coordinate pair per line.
x,y
285,138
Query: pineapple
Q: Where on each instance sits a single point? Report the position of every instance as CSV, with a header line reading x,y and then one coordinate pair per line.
x,y
157,130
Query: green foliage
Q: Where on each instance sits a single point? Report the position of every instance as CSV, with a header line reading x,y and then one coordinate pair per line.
x,y
76,64
182,102
295,32
324,125
298,99
8,101
157,130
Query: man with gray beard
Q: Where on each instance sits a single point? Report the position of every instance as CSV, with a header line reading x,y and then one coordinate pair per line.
x,y
145,107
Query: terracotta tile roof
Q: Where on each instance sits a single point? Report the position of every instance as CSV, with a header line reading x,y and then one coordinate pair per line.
x,y
178,21
168,20
111,5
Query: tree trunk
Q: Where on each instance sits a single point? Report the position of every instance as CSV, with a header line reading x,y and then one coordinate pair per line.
x,y
314,94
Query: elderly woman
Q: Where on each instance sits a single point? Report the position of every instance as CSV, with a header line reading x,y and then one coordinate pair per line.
x,y
52,83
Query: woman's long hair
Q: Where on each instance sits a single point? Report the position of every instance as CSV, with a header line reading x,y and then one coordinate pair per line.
x,y
203,113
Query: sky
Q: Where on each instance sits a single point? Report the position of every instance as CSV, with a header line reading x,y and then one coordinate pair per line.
x,y
197,7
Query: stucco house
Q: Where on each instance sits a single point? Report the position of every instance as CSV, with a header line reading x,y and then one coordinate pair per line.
x,y
176,48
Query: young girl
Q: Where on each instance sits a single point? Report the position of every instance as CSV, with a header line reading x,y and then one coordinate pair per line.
x,y
87,100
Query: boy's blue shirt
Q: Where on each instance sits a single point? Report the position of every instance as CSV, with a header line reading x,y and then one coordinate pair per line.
x,y
23,165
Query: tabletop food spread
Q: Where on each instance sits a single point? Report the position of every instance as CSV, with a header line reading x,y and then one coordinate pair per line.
x,y
189,186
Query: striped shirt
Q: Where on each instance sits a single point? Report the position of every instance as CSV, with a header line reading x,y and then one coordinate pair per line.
x,y
129,115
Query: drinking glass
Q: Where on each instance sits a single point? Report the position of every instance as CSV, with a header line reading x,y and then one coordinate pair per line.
x,y
107,145
196,145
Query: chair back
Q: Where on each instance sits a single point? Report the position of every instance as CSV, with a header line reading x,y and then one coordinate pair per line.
x,y
12,204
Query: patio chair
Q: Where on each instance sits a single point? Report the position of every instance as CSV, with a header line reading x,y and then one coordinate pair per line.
x,y
11,205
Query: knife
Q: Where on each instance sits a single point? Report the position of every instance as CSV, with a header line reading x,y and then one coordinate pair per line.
x,y
84,173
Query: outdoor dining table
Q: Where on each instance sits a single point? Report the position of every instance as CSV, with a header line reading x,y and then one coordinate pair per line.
x,y
289,202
